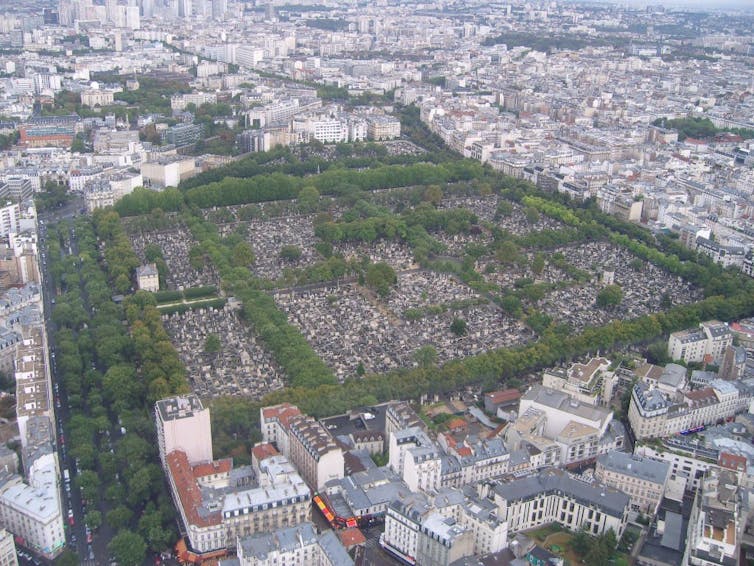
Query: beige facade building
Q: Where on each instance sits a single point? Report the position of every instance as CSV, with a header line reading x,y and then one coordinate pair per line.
x,y
184,424
642,479
314,452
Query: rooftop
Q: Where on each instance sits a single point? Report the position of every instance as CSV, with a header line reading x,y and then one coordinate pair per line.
x,y
628,464
174,408
553,481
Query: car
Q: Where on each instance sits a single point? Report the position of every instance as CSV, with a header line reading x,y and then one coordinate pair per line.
x,y
89,538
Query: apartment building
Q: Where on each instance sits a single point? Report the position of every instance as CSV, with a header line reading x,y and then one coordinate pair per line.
x,y
590,383
687,469
655,413
554,496
217,504
580,430
716,521
184,424
314,452
299,544
274,422
642,479
418,534
704,344
383,127
8,555
32,511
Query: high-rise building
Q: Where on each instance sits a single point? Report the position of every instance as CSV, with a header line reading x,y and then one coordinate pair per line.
x,y
183,424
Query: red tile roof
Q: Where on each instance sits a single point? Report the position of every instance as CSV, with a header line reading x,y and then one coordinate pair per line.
x,y
216,467
504,396
351,537
264,450
457,423
283,413
189,494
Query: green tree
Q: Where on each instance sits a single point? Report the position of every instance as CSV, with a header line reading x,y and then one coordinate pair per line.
x,y
290,253
458,326
538,264
432,194
119,517
532,215
243,255
308,199
609,296
581,542
93,519
128,548
380,277
504,209
507,253
426,356
212,344
67,558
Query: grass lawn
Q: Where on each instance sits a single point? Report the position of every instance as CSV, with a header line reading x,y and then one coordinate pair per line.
x,y
543,532
563,540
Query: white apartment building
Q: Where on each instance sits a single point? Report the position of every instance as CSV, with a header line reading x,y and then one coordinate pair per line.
x,y
33,511
419,534
314,452
554,496
655,413
184,424
381,127
180,101
707,343
683,467
10,217
299,544
274,422
8,555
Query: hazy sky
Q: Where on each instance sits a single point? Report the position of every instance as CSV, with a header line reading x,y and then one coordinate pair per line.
x,y
696,4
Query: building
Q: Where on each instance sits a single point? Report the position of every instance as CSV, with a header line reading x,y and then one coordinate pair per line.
x,y
313,451
8,555
580,431
716,521
96,97
184,424
554,496
733,363
381,127
148,278
705,344
168,172
687,467
217,504
657,413
642,479
274,422
507,398
48,131
10,218
32,511
183,134
590,383
299,544
418,534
